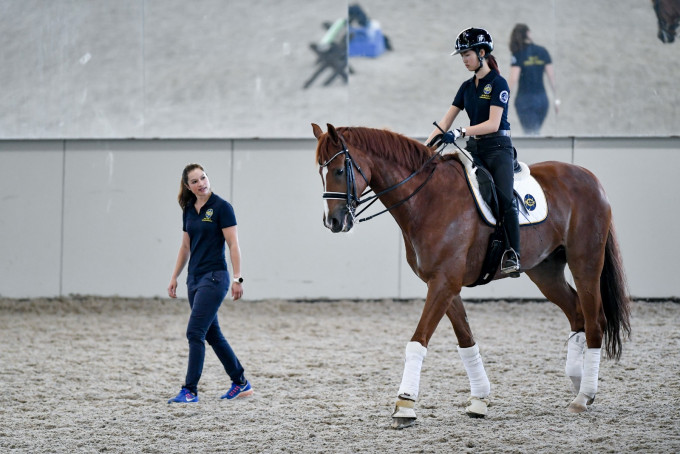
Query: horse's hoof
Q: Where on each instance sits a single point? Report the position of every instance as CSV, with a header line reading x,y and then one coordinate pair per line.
x,y
580,403
477,408
404,414
402,423
576,408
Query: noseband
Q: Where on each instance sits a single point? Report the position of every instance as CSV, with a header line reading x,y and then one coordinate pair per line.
x,y
351,197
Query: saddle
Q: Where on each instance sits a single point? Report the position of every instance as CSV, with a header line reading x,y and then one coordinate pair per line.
x,y
531,201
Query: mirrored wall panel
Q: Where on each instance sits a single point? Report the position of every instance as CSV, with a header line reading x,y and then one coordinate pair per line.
x,y
265,68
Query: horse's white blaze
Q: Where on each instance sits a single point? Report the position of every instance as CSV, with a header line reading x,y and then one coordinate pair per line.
x,y
324,174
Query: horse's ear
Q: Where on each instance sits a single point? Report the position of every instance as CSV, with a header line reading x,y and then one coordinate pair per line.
x,y
332,133
317,131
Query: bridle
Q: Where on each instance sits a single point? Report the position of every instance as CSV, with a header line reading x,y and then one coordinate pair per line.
x,y
350,196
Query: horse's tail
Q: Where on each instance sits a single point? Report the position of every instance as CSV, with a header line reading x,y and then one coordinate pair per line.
x,y
615,298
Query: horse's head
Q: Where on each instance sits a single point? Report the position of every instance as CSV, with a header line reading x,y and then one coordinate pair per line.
x,y
342,178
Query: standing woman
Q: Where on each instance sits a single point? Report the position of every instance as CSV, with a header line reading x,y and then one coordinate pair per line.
x,y
485,98
208,222
529,62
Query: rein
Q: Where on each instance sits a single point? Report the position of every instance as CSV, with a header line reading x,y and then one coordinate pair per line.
x,y
350,196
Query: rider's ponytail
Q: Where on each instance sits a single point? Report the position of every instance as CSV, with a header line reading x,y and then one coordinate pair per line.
x,y
492,63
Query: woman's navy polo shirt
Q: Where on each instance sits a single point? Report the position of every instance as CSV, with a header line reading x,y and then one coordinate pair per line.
x,y
532,60
492,90
205,234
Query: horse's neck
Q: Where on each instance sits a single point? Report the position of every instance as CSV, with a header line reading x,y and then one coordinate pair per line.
x,y
444,184
389,176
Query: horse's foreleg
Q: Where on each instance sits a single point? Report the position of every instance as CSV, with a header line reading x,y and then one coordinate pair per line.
x,y
480,388
413,362
404,414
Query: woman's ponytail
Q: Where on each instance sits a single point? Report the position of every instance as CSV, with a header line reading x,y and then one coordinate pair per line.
x,y
185,195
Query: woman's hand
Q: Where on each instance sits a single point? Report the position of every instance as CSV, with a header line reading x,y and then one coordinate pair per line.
x,y
236,290
172,288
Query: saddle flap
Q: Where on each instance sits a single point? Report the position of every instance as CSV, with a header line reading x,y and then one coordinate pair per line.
x,y
532,202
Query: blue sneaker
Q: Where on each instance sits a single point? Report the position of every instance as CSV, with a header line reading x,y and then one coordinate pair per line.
x,y
185,396
239,391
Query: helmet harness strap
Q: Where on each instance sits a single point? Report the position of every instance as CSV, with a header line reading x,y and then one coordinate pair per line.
x,y
481,60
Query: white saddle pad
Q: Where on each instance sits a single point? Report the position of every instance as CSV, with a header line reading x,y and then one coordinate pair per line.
x,y
534,208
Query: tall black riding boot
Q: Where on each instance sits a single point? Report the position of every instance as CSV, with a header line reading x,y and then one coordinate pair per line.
x,y
510,262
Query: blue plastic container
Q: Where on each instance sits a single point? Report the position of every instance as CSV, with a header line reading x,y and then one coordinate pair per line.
x,y
366,41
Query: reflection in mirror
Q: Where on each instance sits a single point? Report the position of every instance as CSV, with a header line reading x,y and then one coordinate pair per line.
x,y
612,73
217,69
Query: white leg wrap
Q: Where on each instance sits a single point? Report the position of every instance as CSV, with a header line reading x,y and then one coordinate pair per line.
x,y
574,367
413,362
591,369
479,382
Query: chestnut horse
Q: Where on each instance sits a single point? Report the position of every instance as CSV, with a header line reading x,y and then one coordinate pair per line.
x,y
668,16
446,240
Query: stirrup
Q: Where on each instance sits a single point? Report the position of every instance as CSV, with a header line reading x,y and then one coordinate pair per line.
x,y
511,268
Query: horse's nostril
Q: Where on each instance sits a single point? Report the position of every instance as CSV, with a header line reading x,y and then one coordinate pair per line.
x,y
335,224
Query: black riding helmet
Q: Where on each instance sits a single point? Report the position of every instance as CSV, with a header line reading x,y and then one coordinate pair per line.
x,y
474,39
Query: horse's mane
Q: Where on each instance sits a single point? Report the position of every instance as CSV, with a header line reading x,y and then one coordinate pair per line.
x,y
398,148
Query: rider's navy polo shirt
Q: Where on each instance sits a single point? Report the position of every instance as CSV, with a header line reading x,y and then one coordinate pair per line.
x,y
205,234
492,90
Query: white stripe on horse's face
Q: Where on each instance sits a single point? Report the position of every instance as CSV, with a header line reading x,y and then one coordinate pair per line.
x,y
324,174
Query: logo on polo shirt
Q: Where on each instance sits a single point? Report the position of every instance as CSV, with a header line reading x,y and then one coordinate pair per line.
x,y
208,215
486,92
504,96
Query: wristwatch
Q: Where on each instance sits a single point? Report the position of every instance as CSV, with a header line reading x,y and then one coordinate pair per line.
x,y
462,132
238,280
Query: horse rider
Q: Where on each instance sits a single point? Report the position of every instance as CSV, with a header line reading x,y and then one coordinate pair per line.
x,y
485,98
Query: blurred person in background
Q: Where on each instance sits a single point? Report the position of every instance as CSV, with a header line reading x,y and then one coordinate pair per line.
x,y
529,62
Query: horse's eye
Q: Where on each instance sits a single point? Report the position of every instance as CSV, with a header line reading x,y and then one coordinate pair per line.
x,y
339,171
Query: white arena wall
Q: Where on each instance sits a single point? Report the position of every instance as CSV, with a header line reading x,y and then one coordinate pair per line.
x,y
100,217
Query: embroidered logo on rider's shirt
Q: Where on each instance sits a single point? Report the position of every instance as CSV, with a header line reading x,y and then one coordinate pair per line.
x,y
486,92
208,215
504,96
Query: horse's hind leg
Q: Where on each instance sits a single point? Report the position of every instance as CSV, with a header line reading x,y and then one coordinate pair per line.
x,y
586,271
585,257
549,278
